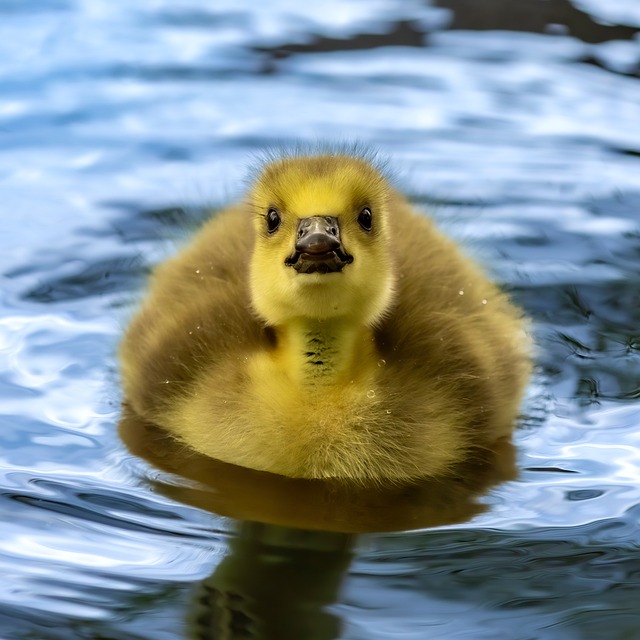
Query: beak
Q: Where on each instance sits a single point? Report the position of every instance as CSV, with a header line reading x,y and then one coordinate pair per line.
x,y
318,246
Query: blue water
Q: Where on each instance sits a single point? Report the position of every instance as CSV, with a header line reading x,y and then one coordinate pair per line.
x,y
515,123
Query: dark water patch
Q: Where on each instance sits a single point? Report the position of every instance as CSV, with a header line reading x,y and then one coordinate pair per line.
x,y
593,336
539,570
549,470
584,494
635,153
84,515
630,69
550,16
619,205
21,622
134,224
99,278
100,508
404,33
53,278
229,67
200,18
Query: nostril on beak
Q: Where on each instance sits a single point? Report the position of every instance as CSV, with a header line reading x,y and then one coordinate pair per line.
x,y
317,234
331,225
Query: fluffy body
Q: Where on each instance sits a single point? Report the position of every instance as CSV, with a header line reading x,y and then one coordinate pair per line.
x,y
398,367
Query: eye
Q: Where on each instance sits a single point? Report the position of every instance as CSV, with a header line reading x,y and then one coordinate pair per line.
x,y
365,219
273,220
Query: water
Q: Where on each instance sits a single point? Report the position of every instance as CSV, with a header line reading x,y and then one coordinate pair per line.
x,y
517,126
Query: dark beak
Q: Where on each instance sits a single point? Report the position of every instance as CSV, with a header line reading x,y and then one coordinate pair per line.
x,y
318,246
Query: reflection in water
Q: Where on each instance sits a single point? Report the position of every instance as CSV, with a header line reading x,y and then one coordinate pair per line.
x,y
258,496
275,583
293,545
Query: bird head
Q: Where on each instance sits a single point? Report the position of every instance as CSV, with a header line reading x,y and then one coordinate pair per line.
x,y
322,246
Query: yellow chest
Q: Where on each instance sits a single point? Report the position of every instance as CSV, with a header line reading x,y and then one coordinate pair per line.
x,y
277,411
307,391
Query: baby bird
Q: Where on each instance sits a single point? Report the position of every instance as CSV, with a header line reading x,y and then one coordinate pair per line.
x,y
324,329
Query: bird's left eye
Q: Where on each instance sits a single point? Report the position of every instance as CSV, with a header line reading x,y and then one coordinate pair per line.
x,y
273,220
365,219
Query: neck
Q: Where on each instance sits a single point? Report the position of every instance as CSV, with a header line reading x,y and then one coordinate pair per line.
x,y
323,351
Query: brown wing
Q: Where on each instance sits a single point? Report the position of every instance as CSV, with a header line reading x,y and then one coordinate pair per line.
x,y
451,332
197,312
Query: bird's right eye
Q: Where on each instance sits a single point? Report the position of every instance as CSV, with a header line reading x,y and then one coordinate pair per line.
x,y
273,220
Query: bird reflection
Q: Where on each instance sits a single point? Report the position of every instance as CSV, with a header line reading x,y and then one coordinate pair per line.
x,y
295,537
275,583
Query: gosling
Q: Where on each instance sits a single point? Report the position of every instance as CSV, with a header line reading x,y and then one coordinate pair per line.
x,y
322,328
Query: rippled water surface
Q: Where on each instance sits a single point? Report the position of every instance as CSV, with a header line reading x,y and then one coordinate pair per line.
x,y
515,122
